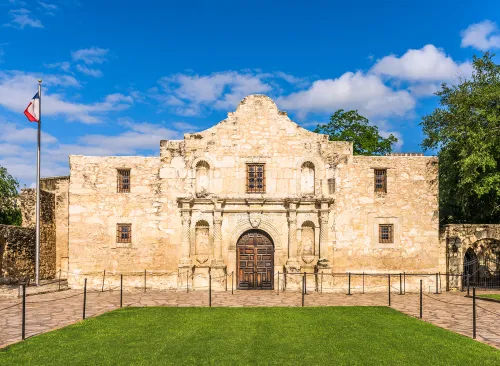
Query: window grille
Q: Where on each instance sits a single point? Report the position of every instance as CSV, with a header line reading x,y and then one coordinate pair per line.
x,y
386,233
381,180
256,180
123,180
124,233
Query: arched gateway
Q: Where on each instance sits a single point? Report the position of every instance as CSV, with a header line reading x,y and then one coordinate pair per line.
x,y
255,260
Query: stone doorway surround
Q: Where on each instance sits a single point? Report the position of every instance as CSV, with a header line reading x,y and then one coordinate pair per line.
x,y
229,218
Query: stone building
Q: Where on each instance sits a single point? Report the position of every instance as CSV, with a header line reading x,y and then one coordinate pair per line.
x,y
254,194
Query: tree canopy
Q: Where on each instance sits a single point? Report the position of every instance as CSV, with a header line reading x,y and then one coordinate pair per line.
x,y
9,212
465,130
350,126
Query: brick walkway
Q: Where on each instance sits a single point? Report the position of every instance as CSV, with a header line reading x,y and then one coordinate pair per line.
x,y
54,310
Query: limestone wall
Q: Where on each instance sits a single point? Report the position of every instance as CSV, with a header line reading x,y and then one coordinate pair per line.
x,y
17,254
410,204
483,239
316,191
95,208
59,186
27,200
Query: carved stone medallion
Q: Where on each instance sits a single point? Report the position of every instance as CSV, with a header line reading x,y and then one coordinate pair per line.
x,y
254,219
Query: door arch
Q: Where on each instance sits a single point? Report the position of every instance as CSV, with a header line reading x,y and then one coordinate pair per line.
x,y
255,261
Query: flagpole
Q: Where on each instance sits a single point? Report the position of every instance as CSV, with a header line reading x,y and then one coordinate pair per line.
x,y
37,255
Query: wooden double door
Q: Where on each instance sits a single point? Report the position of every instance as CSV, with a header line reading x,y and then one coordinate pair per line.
x,y
255,261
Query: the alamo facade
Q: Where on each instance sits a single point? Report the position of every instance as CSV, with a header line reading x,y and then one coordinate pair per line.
x,y
254,194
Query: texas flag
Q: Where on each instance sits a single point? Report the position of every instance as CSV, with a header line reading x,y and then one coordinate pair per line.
x,y
32,109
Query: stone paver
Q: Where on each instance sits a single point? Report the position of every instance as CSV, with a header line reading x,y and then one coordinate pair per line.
x,y
54,310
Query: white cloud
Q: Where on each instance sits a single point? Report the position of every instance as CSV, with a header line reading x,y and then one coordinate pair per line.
x,y
12,134
47,6
18,154
424,89
190,95
17,88
422,65
88,71
399,144
482,36
92,55
185,127
21,18
65,66
365,92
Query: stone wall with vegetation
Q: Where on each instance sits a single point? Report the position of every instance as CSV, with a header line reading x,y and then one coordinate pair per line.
x,y
17,254
17,244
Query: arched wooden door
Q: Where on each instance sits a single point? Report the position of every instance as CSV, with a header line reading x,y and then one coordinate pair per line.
x,y
255,261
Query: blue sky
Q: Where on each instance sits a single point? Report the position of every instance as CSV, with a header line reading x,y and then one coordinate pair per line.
x,y
121,75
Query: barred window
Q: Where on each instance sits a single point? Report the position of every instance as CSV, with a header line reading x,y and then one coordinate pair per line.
x,y
123,180
256,180
386,233
124,233
381,180
331,185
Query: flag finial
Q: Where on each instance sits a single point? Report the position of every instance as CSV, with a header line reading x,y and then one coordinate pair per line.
x,y
40,81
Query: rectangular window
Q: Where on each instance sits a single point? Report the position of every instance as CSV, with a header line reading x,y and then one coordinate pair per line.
x,y
124,233
256,180
386,233
123,180
381,180
331,185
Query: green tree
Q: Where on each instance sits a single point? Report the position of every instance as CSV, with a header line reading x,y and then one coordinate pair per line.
x,y
9,212
350,126
465,130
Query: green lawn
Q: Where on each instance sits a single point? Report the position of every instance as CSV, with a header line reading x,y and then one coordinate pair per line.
x,y
244,336
490,296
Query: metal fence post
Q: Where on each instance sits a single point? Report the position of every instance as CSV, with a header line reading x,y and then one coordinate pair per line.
x,y
363,282
84,297
103,277
303,287
59,280
305,283
349,284
437,283
210,290
23,326
404,283
226,281
468,285
474,312
400,284
121,290
389,278
421,299
321,281
144,280
232,283
278,282
187,281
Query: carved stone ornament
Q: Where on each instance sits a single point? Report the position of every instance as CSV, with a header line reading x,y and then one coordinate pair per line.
x,y
254,219
308,258
201,258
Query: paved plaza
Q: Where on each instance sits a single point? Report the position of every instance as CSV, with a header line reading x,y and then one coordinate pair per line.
x,y
49,311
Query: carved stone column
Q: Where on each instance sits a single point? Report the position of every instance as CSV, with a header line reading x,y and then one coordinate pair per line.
x,y
292,237
218,236
323,235
186,240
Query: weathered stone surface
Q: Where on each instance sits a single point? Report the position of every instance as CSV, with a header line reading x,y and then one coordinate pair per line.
x,y
482,239
201,182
